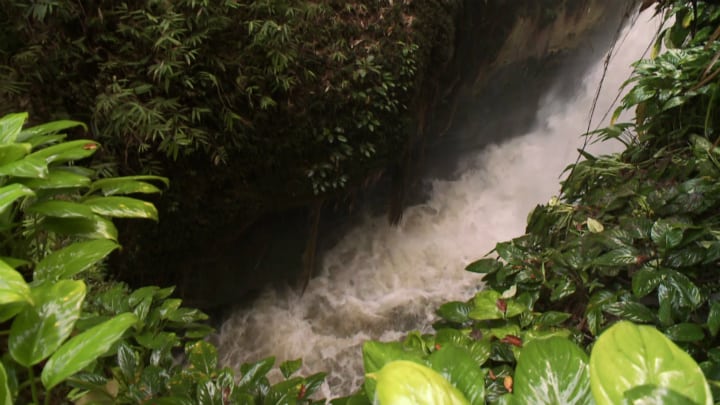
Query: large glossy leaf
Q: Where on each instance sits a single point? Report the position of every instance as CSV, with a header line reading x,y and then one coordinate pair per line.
x,y
84,348
128,185
652,394
27,167
40,329
122,207
10,126
66,151
13,287
455,311
203,357
10,193
377,354
646,280
456,364
12,152
92,228
627,355
552,371
489,304
48,128
58,178
73,259
61,209
666,234
407,382
5,396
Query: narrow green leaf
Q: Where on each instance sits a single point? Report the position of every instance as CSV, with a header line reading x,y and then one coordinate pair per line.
x,y
484,266
122,207
83,349
92,228
457,366
66,151
73,259
27,167
552,371
628,355
5,395
128,185
13,152
57,179
48,128
61,209
40,329
713,320
13,287
10,126
10,193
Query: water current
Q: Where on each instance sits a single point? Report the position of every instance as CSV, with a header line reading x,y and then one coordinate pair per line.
x,y
380,281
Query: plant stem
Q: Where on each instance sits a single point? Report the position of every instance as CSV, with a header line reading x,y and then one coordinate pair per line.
x,y
48,396
33,388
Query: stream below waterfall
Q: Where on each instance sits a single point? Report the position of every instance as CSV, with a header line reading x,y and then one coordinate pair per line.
x,y
380,281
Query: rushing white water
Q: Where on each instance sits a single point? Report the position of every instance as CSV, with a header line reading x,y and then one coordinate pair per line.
x,y
380,281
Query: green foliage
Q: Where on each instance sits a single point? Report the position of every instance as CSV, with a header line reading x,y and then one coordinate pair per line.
x,y
73,336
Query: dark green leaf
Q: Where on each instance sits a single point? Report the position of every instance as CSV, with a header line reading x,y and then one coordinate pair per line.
x,y
48,128
92,228
666,234
713,320
128,185
455,311
41,328
552,371
484,266
83,349
617,257
289,367
252,373
5,395
627,356
10,193
645,281
203,357
631,311
489,304
61,209
457,366
28,167
57,179
685,332
73,259
127,360
552,318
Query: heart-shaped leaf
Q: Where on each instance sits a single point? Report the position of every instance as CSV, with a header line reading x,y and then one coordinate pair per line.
x,y
627,356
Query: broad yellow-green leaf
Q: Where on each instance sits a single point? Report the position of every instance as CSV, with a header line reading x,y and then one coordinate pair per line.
x,y
122,207
48,128
14,262
13,287
58,178
10,193
627,356
594,225
10,126
5,396
73,259
29,167
489,304
552,371
14,151
61,209
41,328
95,227
377,354
67,151
406,382
81,350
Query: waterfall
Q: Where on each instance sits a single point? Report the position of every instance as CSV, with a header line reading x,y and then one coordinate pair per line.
x,y
380,282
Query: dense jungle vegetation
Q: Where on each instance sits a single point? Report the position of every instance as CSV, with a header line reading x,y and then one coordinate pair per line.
x,y
634,238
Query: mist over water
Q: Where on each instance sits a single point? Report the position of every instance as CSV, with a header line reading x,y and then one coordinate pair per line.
x,y
380,282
